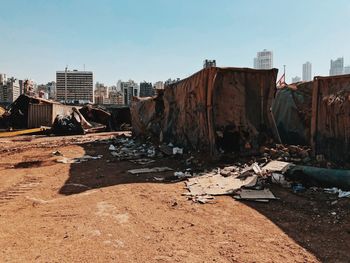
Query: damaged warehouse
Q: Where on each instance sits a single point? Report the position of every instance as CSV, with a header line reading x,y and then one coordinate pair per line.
x,y
28,113
216,108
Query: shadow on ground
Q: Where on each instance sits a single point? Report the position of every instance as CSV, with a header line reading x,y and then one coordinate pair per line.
x,y
108,171
314,220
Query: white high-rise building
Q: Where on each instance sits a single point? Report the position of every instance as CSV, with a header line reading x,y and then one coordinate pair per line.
x,y
9,90
347,70
74,86
337,67
307,71
264,60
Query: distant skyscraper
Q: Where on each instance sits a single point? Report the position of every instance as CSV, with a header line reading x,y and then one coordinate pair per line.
x,y
80,86
209,63
347,70
3,79
264,60
9,90
159,85
101,93
337,67
296,79
307,71
129,89
146,89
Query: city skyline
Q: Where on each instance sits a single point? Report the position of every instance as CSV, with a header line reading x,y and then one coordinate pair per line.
x,y
119,40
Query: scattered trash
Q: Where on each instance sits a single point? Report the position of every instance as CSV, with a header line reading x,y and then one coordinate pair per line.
x,y
280,179
129,149
57,153
112,148
177,150
79,159
143,161
202,199
149,170
255,195
277,166
298,188
334,190
215,184
159,178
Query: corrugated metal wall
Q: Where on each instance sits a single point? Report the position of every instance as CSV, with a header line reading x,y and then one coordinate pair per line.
x,y
330,126
45,114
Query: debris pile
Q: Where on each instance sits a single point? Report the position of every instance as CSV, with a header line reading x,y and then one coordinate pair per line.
x,y
129,149
231,180
288,153
251,182
76,122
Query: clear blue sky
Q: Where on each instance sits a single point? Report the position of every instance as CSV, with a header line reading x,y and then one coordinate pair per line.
x,y
157,39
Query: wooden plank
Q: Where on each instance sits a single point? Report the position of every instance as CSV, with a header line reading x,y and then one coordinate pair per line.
x,y
22,132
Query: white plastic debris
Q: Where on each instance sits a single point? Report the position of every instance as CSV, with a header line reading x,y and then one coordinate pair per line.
x,y
342,194
177,150
335,190
280,179
112,148
256,168
179,174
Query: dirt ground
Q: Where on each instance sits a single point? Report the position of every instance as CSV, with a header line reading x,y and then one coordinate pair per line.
x,y
96,212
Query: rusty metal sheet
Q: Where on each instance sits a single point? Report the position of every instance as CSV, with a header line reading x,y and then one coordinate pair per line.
x,y
330,127
45,114
192,111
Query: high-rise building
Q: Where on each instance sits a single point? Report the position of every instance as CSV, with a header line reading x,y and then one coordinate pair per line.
x,y
51,89
209,63
159,85
116,97
3,79
296,79
263,60
146,89
337,67
347,70
307,71
101,93
129,89
9,90
74,86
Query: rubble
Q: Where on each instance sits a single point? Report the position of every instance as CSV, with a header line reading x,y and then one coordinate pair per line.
x,y
78,159
76,123
149,170
129,149
255,195
213,183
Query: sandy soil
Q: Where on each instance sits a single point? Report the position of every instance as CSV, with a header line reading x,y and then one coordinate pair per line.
x,y
96,212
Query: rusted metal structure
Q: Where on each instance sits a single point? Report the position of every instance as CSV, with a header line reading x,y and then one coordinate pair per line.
x,y
44,114
214,108
292,111
330,125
